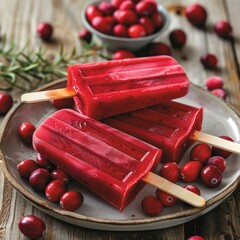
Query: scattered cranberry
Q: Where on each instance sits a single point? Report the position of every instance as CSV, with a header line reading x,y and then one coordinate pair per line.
x,y
102,25
39,179
158,48
177,38
166,199
219,92
45,31
214,83
201,152
63,103
85,35
220,152
26,167
44,163
170,171
59,174
190,171
71,200
196,15
54,190
193,188
218,162
32,226
92,12
106,8
196,237
121,54
26,130
209,61
136,31
120,30
211,176
151,205
6,102
223,29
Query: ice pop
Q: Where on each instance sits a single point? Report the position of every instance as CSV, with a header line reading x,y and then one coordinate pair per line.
x,y
104,89
167,126
112,164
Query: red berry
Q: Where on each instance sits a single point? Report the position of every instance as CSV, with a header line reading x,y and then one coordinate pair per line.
x,y
145,8
86,36
121,54
211,176
120,30
220,152
151,205
166,199
59,174
201,152
136,31
196,15
214,83
170,171
219,92
147,24
39,179
209,61
63,103
92,12
177,38
102,25
32,226
54,190
45,31
193,189
6,102
106,8
223,29
117,3
127,17
158,48
196,237
26,167
218,162
190,171
44,163
157,20
71,200
127,4
26,130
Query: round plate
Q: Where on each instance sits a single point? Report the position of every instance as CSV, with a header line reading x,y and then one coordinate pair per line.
x,y
219,119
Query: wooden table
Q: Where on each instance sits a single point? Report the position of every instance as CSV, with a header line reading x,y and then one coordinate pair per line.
x,y
18,19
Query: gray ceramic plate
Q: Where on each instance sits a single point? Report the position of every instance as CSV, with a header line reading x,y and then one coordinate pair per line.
x,y
219,119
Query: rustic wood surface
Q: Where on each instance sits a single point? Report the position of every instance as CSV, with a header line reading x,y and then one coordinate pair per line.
x,y
19,18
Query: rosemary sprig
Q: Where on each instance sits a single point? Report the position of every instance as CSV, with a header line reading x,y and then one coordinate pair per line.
x,y
26,70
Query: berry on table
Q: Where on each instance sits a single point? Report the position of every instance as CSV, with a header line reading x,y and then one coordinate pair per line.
x,y
122,54
219,92
85,35
26,167
166,199
201,152
223,29
217,161
44,163
220,152
71,200
158,48
211,176
151,205
214,82
190,171
193,188
54,190
6,102
45,31
171,171
26,130
39,179
209,61
59,174
177,38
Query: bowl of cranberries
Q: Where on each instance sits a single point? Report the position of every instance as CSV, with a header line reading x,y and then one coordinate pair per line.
x,y
125,24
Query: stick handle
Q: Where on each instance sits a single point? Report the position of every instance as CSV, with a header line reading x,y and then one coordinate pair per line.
x,y
47,95
175,190
216,142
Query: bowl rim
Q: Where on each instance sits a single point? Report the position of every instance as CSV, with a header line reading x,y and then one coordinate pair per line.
x,y
161,9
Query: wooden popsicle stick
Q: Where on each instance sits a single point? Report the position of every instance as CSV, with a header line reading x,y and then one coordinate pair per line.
x,y
174,190
47,95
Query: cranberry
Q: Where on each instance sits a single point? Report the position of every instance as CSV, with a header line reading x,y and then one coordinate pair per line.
x,y
59,174
201,152
157,20
158,48
106,8
117,3
166,199
6,102
86,36
127,4
190,171
32,226
151,205
196,15
214,83
219,92
223,29
54,190
177,38
211,176
71,200
220,152
217,161
120,30
145,8
45,31
102,25
39,179
121,54
136,31
92,11
196,237
147,24
127,17
26,130
26,167
193,188
209,61
170,171
44,163
63,103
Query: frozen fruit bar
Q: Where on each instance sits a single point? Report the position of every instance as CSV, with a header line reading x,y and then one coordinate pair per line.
x,y
167,126
105,89
108,162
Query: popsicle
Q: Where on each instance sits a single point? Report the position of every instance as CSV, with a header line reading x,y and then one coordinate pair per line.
x,y
112,164
103,89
